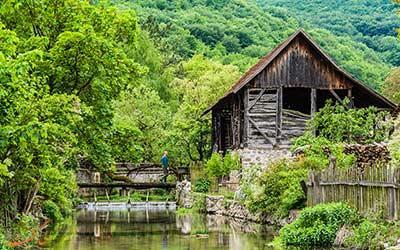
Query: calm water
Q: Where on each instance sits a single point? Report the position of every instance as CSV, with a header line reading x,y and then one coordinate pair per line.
x,y
148,229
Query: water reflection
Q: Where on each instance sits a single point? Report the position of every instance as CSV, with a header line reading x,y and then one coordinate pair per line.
x,y
148,229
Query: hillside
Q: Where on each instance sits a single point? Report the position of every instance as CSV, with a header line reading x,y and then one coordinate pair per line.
x,y
371,22
239,32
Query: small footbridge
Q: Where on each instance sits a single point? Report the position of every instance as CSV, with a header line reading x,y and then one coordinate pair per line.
x,y
132,176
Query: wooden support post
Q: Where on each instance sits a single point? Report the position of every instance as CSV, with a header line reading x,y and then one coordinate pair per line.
x,y
246,116
279,104
214,132
313,101
392,196
108,198
313,105
350,96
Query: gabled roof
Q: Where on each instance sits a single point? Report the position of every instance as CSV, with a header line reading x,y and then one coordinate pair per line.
x,y
266,60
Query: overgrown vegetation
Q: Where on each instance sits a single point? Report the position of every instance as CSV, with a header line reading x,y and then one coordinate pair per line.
x,y
372,23
277,190
280,187
340,124
220,166
202,185
318,225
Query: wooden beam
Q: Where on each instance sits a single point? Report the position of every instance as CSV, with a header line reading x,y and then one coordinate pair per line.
x,y
259,130
350,96
336,96
254,102
313,106
246,117
129,185
279,105
313,101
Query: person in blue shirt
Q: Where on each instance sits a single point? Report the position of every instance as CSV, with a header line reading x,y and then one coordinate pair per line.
x,y
164,163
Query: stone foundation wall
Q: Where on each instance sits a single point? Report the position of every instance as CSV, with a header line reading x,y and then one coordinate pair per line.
x,y
220,206
261,157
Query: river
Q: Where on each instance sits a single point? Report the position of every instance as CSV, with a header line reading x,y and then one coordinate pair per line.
x,y
155,227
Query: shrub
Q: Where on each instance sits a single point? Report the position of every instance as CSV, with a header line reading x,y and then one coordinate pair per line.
x,y
318,225
199,202
202,185
218,166
24,227
338,123
367,235
52,211
277,190
318,150
3,242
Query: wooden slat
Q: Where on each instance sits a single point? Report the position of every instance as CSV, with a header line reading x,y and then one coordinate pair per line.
x,y
259,130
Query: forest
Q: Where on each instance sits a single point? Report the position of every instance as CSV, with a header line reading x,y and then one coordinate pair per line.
x,y
102,82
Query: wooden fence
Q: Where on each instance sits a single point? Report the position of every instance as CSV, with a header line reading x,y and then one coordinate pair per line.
x,y
369,188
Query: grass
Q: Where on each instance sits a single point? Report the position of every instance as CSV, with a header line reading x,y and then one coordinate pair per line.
x,y
224,191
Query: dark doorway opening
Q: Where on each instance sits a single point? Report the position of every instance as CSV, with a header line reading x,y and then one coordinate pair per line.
x,y
298,99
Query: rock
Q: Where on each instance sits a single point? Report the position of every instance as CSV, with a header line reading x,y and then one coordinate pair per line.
x,y
183,194
342,235
293,214
215,204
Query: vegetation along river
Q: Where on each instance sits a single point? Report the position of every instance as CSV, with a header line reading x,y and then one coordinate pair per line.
x,y
148,228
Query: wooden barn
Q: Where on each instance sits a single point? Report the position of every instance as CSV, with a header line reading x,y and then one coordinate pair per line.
x,y
271,103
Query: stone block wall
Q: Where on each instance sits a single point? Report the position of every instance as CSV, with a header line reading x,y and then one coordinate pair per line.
x,y
261,157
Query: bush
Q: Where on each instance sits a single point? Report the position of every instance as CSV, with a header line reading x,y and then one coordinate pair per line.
x,y
24,227
318,150
367,235
218,166
338,123
318,225
202,185
3,242
52,211
277,190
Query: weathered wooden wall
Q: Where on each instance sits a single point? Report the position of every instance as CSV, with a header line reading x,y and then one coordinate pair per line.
x,y
261,114
300,65
268,123
371,188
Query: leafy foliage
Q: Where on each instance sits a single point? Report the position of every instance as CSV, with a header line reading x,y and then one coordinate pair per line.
x,y
201,83
391,89
202,185
277,190
62,63
370,22
218,166
338,123
52,211
318,225
317,151
371,233
240,32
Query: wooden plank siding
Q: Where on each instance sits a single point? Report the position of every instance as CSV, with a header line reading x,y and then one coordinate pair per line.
x,y
299,65
262,117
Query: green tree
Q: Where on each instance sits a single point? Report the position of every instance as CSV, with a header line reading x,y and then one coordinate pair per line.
x,y
201,83
391,88
143,110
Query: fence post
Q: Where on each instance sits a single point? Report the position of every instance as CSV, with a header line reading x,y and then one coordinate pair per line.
x,y
393,206
316,187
